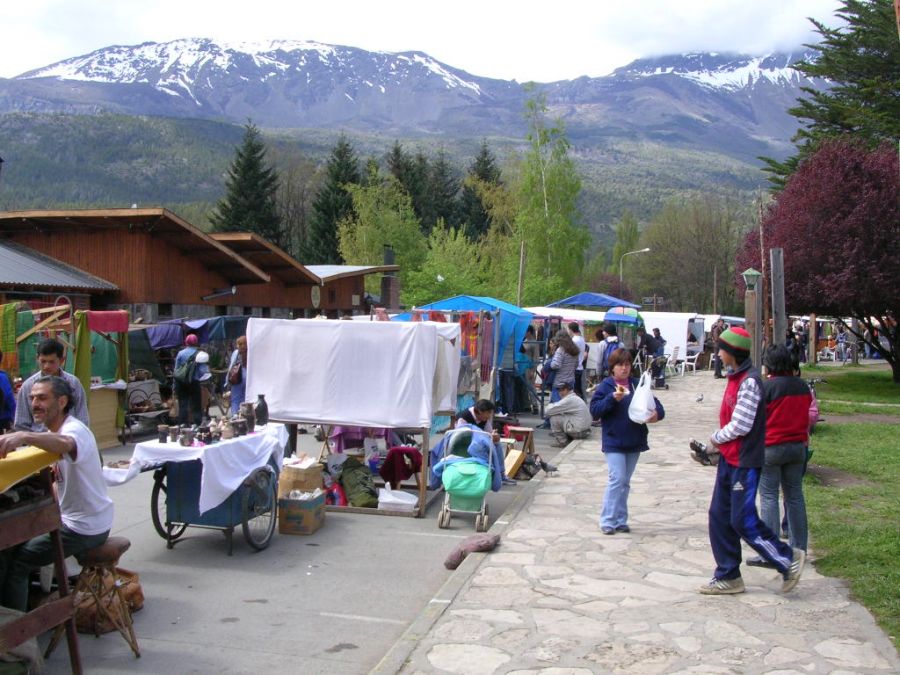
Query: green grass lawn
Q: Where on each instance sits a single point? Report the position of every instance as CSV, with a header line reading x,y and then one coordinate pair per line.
x,y
866,384
855,527
827,408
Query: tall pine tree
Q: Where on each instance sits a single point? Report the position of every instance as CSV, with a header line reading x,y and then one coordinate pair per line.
x,y
861,59
250,202
443,187
473,213
333,204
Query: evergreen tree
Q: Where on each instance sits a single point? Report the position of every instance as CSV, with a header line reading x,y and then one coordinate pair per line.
x,y
861,60
333,204
250,202
443,187
473,211
411,173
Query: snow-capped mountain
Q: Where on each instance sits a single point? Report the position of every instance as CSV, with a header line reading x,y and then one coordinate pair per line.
x,y
734,104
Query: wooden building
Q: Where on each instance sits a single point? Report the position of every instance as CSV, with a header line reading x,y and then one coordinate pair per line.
x,y
163,267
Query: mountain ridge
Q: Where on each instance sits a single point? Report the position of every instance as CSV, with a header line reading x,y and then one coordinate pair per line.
x,y
731,102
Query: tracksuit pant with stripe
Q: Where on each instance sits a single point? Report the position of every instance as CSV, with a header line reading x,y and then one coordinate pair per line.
x,y
733,516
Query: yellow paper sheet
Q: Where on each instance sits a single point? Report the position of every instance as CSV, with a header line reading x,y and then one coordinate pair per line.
x,y
21,464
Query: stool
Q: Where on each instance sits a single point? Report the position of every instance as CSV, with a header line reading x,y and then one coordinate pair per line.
x,y
100,580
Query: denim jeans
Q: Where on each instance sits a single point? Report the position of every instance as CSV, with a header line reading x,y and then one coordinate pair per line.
x,y
784,467
36,553
621,466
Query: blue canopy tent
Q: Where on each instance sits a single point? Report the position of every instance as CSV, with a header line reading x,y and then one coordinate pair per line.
x,y
589,299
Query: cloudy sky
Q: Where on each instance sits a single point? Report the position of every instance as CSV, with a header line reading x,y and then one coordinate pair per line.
x,y
519,39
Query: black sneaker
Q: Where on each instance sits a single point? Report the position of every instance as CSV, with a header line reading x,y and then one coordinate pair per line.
x,y
759,561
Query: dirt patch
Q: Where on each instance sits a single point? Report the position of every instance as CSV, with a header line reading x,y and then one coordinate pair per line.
x,y
860,418
830,477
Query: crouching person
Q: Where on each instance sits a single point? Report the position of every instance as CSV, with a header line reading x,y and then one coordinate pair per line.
x,y
569,416
85,506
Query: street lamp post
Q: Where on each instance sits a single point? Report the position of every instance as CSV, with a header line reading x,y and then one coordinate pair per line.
x,y
752,313
621,260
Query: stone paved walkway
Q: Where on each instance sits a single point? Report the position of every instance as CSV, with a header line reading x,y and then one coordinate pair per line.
x,y
558,597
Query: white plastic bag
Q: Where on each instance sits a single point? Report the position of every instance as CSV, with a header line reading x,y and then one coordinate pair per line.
x,y
642,404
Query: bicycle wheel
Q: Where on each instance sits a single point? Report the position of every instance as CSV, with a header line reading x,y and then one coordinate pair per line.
x,y
258,504
157,506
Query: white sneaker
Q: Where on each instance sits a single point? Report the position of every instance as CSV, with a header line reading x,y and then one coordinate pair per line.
x,y
723,587
792,576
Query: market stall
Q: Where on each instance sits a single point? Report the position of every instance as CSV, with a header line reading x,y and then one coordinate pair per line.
x,y
351,373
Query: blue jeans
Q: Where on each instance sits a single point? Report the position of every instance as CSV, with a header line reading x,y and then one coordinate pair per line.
x,y
784,467
621,466
733,516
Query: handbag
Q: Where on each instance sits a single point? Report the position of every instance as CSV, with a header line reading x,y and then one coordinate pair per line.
x,y
234,373
642,405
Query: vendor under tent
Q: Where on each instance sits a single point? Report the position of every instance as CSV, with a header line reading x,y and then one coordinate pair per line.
x,y
588,299
498,348
674,328
380,374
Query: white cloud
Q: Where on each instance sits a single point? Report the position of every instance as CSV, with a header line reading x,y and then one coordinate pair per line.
x,y
493,38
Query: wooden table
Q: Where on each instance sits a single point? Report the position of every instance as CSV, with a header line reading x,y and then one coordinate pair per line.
x,y
18,525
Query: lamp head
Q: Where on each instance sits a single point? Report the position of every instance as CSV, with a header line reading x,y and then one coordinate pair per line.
x,y
751,278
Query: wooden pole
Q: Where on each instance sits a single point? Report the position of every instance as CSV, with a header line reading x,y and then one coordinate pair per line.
x,y
811,351
779,314
715,289
521,274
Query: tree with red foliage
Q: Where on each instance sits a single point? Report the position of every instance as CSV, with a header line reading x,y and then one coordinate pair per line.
x,y
838,221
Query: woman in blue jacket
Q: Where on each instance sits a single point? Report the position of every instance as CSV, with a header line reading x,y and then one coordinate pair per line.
x,y
623,440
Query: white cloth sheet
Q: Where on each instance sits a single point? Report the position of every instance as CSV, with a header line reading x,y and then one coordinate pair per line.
x,y
353,373
225,464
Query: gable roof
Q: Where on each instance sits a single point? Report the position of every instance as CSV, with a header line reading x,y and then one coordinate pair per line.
x,y
332,272
154,221
22,266
267,256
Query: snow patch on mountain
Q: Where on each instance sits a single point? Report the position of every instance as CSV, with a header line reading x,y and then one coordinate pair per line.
x,y
180,63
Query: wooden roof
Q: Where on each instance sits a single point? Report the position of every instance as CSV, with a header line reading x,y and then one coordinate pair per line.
x,y
179,233
268,257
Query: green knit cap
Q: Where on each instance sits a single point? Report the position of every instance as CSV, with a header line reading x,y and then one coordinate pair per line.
x,y
735,339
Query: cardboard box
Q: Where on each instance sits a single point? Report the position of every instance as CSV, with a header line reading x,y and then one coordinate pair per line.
x,y
301,516
305,480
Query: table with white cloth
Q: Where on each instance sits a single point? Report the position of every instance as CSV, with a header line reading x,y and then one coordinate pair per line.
x,y
206,485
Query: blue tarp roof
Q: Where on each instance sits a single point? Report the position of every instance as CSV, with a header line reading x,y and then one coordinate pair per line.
x,y
168,334
513,320
588,299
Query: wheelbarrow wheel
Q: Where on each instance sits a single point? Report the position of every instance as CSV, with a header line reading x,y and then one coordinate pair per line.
x,y
258,504
158,507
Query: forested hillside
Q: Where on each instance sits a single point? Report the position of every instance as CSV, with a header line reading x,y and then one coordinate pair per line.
x,y
57,160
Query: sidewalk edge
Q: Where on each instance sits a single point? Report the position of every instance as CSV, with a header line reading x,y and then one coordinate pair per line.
x,y
399,653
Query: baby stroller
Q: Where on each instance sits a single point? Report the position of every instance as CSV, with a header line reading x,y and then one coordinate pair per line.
x,y
658,372
467,473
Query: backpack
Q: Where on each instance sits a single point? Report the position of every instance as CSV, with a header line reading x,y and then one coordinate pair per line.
x,y
608,349
184,374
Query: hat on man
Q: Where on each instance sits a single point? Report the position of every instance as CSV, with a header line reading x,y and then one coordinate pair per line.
x,y
736,341
563,385
191,340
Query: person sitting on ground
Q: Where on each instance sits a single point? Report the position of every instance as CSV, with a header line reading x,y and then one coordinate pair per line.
x,y
569,417
85,506
51,356
741,442
482,415
787,400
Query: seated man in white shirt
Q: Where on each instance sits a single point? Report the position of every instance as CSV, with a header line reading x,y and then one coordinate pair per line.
x,y
85,506
569,417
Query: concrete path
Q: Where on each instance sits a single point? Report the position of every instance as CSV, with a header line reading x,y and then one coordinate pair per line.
x,y
559,597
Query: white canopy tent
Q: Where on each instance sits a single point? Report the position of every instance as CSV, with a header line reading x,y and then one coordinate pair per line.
x,y
355,373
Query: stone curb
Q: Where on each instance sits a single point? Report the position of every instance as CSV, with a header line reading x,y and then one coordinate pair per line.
x,y
399,653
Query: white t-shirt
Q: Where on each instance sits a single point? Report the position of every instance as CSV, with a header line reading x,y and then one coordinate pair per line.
x,y
579,342
83,501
